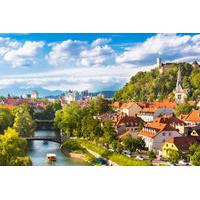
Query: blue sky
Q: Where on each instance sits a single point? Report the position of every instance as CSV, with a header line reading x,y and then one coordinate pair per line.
x,y
87,61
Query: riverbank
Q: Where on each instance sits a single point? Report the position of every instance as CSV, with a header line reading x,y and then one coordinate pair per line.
x,y
88,148
72,149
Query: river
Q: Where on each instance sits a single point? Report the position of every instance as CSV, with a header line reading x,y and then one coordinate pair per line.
x,y
38,151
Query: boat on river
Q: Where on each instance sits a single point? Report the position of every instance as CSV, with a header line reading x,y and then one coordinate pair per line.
x,y
51,157
45,142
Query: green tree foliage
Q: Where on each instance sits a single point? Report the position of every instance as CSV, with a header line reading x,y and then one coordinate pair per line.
x,y
69,119
133,144
99,105
183,108
23,123
49,112
149,86
90,127
6,119
109,133
13,149
195,154
151,154
174,156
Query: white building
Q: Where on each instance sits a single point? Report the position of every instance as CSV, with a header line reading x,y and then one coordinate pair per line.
x,y
34,94
151,113
71,96
155,134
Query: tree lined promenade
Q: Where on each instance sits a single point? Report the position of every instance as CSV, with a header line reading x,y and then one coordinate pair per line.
x,y
83,123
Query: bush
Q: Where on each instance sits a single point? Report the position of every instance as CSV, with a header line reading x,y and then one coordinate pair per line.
x,y
114,157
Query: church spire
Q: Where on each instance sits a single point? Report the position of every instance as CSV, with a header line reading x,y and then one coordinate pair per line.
x,y
179,82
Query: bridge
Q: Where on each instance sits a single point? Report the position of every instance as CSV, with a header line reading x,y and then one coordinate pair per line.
x,y
45,138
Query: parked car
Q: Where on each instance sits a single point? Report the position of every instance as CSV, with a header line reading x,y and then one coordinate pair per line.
x,y
127,153
139,157
183,162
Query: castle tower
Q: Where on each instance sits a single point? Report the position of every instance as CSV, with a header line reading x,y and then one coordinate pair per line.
x,y
180,93
159,63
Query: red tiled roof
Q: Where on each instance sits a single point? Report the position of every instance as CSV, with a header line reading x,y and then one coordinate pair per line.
x,y
128,120
184,142
154,128
193,116
123,134
165,103
149,110
9,106
169,120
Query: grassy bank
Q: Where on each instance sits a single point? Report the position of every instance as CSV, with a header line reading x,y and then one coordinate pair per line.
x,y
121,160
73,146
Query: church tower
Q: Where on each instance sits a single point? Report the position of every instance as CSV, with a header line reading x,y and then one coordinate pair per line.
x,y
180,93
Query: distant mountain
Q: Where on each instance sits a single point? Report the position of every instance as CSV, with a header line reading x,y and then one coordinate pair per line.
x,y
20,91
107,94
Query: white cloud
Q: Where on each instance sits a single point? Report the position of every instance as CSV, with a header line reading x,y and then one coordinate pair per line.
x,y
65,51
96,55
100,42
80,78
169,45
80,53
25,55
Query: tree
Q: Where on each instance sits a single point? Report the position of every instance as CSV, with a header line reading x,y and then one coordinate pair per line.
x,y
195,154
183,108
133,144
69,119
109,133
195,158
151,154
174,156
49,111
13,149
99,105
23,123
129,144
6,119
90,127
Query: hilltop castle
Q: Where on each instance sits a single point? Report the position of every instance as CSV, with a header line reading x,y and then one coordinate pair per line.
x,y
163,67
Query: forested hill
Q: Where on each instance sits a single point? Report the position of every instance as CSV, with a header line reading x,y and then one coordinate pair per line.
x,y
151,85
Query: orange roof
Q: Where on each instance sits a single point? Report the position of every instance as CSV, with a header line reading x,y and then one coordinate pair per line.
x,y
123,134
117,104
166,119
154,128
127,105
9,106
149,110
191,103
193,116
165,103
127,120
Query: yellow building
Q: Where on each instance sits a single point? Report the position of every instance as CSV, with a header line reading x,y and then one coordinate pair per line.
x,y
181,144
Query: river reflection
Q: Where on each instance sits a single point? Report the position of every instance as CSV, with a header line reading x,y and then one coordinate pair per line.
x,y
38,151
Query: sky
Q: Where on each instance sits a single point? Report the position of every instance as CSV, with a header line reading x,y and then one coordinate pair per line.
x,y
93,61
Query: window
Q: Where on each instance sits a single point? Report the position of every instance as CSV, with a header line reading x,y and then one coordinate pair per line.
x,y
163,134
179,96
166,145
170,134
172,145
